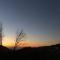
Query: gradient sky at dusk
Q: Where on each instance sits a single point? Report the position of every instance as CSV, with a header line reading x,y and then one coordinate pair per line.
x,y
40,19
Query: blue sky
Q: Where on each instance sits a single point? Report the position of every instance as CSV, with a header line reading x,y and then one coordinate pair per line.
x,y
33,16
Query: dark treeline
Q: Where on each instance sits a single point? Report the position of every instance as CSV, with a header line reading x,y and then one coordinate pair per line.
x,y
40,53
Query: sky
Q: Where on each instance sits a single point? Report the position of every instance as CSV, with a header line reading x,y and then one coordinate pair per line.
x,y
39,19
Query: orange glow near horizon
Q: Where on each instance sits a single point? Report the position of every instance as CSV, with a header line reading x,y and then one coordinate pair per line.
x,y
9,42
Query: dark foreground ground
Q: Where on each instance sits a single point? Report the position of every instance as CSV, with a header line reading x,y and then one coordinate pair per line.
x,y
41,53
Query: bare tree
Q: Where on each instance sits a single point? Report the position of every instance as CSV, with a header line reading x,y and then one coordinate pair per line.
x,y
19,37
0,33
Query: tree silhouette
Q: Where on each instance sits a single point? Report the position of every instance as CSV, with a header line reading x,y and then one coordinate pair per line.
x,y
19,37
0,33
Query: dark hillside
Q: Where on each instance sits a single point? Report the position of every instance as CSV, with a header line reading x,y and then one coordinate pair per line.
x,y
47,53
40,53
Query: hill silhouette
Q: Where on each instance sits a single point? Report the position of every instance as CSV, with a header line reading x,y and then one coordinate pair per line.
x,y
28,53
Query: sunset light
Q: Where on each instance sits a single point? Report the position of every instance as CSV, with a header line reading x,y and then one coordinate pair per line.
x,y
10,42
